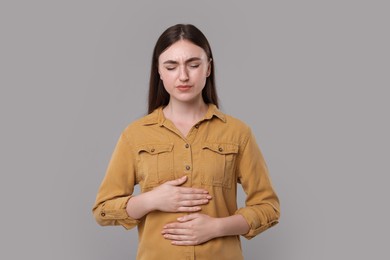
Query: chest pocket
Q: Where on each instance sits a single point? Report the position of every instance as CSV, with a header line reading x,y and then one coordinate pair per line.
x,y
218,160
155,164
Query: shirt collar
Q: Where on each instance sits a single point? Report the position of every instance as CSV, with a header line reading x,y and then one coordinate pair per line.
x,y
214,111
157,116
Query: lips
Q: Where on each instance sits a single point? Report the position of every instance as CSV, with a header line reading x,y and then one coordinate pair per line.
x,y
183,87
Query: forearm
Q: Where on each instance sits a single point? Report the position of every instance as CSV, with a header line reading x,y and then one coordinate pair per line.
x,y
231,226
140,205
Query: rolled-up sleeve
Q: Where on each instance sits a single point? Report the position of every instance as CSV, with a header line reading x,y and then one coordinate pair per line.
x,y
117,187
262,209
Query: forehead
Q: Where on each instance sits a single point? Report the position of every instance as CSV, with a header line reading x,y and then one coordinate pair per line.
x,y
181,51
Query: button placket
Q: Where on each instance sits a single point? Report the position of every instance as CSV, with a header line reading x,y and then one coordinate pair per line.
x,y
188,158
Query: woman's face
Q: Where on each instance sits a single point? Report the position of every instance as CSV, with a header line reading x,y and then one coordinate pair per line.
x,y
184,68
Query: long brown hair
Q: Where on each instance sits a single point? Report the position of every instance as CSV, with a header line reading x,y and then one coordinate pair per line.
x,y
158,96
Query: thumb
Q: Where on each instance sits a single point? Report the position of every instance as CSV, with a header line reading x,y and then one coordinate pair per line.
x,y
188,217
177,182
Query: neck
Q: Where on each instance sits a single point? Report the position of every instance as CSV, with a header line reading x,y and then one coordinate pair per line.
x,y
185,112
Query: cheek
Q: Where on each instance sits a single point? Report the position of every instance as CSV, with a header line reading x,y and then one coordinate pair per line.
x,y
167,80
201,76
166,77
163,76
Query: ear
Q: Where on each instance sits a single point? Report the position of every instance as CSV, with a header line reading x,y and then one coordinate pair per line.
x,y
209,68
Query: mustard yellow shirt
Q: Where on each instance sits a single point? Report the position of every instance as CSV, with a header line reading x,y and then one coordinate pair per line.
x,y
218,152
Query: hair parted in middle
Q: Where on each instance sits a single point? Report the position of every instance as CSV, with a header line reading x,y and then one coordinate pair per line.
x,y
158,96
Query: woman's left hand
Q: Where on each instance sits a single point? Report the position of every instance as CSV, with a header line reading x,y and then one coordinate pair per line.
x,y
192,229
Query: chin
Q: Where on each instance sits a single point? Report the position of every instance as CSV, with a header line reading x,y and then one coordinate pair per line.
x,y
187,98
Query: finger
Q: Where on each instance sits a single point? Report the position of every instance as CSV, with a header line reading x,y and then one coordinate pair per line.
x,y
189,196
173,225
186,190
175,231
191,203
177,182
187,218
181,240
188,209
184,243
177,237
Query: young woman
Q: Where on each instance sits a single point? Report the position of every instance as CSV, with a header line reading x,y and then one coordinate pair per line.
x,y
187,156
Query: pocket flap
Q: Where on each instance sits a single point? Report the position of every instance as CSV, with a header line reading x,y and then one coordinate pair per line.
x,y
221,148
155,148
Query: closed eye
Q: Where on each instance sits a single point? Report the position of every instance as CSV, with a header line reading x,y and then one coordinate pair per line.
x,y
194,65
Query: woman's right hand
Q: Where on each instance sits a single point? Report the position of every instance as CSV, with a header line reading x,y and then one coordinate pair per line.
x,y
170,197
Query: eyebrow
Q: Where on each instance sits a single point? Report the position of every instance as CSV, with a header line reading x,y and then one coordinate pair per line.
x,y
187,61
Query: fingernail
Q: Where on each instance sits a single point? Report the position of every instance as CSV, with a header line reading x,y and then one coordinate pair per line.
x,y
209,197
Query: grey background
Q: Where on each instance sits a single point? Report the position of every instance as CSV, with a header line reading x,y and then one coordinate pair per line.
x,y
310,77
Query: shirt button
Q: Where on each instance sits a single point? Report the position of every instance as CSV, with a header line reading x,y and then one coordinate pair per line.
x,y
152,150
188,167
196,126
220,149
103,214
187,145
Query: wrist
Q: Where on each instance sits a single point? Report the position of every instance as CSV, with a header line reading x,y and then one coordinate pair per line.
x,y
218,227
231,226
139,205
150,200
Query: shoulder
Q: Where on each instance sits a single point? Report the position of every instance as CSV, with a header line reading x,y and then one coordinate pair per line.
x,y
143,129
226,128
141,122
233,121
226,120
236,124
149,119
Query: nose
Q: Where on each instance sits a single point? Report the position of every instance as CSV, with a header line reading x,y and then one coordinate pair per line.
x,y
183,74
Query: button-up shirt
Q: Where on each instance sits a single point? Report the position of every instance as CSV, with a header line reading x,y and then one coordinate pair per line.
x,y
218,152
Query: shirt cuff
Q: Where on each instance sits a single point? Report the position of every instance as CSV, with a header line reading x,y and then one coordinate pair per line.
x,y
114,213
254,221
